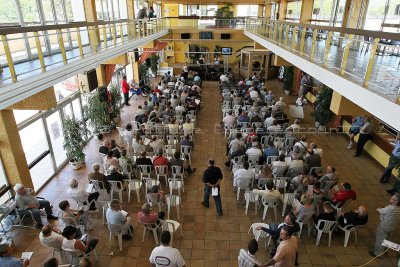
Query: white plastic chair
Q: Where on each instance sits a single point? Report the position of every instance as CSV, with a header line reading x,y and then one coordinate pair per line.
x,y
121,134
242,183
178,172
175,184
250,197
187,151
327,229
306,220
171,226
347,231
287,200
315,170
116,187
340,208
162,171
149,183
119,230
269,203
271,159
154,199
282,182
260,233
145,171
151,227
133,185
173,201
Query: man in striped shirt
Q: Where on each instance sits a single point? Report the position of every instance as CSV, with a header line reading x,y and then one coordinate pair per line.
x,y
390,218
248,258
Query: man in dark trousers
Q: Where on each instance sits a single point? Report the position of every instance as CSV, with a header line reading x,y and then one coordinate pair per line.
x,y
212,178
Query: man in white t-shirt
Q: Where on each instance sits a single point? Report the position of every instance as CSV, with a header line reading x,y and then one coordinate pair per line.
x,y
165,255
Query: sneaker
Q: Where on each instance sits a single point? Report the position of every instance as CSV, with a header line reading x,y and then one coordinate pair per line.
x,y
51,217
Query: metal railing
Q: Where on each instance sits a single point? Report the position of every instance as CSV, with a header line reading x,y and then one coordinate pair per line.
x,y
86,39
205,22
369,57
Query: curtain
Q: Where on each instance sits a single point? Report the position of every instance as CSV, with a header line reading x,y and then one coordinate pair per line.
x,y
109,70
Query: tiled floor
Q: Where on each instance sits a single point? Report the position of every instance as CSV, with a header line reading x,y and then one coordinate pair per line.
x,y
210,240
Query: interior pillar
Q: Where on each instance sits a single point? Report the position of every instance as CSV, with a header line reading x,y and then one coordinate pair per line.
x,y
306,11
11,151
282,10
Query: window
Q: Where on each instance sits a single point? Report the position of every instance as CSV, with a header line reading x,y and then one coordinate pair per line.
x,y
30,11
392,16
3,182
247,10
34,145
322,9
8,12
54,129
375,15
123,10
48,11
22,115
293,10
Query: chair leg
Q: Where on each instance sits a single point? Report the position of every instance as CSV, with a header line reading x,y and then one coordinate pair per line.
x,y
237,193
247,206
138,195
155,235
330,237
181,232
301,229
144,232
346,238
318,237
265,212
177,210
129,195
110,240
284,208
120,196
355,235
120,242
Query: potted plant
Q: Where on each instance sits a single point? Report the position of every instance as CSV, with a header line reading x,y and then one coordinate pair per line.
x,y
154,64
288,76
74,131
96,112
224,15
322,104
143,70
115,103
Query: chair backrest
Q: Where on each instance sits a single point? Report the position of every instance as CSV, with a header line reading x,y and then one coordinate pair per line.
x,y
289,141
173,200
288,198
271,159
270,202
97,185
327,185
172,139
116,229
243,182
254,159
68,221
282,182
262,182
239,160
177,170
145,170
305,218
259,233
161,170
153,198
115,185
186,150
328,225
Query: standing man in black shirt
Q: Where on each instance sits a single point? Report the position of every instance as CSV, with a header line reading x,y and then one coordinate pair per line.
x,y
212,178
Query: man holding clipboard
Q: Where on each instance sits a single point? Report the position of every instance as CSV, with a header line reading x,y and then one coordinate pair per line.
x,y
212,178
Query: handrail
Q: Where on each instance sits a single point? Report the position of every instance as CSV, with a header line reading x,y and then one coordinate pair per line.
x,y
340,44
373,34
18,29
89,38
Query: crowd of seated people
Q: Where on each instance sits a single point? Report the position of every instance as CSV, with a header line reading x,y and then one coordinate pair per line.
x,y
259,137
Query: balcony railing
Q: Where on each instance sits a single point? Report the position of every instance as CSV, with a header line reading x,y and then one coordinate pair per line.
x,y
367,57
56,45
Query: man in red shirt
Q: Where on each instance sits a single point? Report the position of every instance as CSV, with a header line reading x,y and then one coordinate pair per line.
x,y
159,160
343,195
125,90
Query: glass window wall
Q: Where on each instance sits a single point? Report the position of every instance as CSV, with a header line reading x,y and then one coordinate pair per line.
x,y
247,10
293,10
54,128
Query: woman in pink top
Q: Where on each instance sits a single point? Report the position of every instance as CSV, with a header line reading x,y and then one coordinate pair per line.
x,y
145,215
